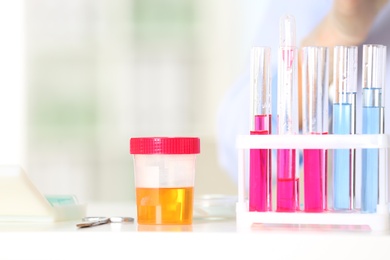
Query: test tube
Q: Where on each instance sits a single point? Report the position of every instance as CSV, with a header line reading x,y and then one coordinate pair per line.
x,y
344,122
315,121
373,79
260,159
287,181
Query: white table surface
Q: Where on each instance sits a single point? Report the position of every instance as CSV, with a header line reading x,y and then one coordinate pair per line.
x,y
204,239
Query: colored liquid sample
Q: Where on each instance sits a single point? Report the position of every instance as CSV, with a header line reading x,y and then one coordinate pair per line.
x,y
164,205
260,169
315,168
263,123
259,190
287,188
370,161
342,159
288,57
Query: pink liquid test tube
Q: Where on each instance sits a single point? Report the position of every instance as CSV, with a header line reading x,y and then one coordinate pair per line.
x,y
287,181
260,159
315,121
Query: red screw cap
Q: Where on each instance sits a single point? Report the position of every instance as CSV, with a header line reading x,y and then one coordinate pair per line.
x,y
164,145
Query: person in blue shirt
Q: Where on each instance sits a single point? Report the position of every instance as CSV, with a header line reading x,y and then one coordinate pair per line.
x,y
318,23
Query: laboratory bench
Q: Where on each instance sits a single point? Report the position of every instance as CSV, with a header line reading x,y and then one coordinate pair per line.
x,y
207,238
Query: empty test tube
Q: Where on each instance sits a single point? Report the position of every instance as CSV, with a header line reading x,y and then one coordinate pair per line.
x,y
260,159
344,122
373,79
315,121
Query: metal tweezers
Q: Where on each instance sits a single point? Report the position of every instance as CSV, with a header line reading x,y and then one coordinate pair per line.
x,y
95,221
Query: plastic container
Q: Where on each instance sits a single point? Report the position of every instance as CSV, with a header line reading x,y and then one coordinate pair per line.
x,y
164,172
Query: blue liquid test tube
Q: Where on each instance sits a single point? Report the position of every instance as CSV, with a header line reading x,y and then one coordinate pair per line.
x,y
373,79
287,182
315,121
260,119
344,122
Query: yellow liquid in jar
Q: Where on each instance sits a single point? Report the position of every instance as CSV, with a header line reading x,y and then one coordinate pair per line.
x,y
165,205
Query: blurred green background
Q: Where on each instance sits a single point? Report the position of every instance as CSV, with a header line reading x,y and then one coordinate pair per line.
x,y
100,72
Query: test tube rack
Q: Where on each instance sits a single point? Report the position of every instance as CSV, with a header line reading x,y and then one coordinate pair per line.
x,y
378,221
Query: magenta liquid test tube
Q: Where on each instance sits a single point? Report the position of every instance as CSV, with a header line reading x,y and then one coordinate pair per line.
x,y
287,188
260,159
315,121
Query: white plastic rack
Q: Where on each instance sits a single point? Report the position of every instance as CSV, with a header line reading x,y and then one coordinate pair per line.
x,y
378,221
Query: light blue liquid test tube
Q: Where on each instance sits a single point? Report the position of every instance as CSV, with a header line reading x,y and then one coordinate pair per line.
x,y
344,122
373,80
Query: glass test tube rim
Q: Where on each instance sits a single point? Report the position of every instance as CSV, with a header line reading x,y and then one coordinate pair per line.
x,y
374,57
260,100
287,92
319,124
342,65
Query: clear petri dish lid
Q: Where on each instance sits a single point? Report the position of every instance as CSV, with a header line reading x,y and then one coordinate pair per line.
x,y
215,206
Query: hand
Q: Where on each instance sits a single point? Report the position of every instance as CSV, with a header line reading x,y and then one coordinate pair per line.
x,y
347,23
352,19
